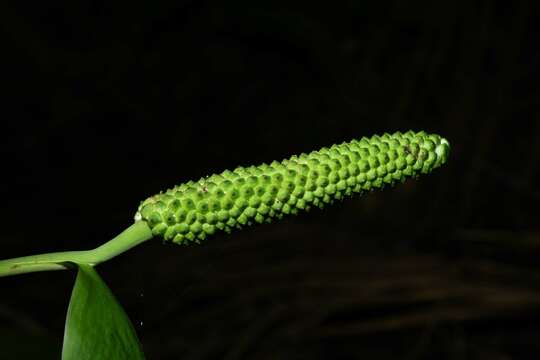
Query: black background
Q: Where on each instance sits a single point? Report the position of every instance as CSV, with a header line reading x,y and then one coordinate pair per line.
x,y
106,104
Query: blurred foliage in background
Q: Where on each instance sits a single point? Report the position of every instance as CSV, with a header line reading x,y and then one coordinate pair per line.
x,y
106,104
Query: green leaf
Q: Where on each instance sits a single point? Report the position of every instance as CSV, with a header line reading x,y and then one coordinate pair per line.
x,y
97,326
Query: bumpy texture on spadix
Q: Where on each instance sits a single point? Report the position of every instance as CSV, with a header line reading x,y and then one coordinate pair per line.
x,y
257,194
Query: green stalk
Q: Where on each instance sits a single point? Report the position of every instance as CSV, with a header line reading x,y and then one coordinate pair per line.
x,y
132,236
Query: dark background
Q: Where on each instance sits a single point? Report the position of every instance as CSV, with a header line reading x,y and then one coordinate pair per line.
x,y
106,104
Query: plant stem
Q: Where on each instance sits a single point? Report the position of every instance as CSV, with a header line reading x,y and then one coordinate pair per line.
x,y
132,236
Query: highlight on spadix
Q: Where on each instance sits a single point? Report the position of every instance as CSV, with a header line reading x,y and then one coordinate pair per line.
x,y
244,196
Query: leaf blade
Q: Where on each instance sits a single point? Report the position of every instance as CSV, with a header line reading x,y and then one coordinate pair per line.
x,y
97,326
